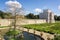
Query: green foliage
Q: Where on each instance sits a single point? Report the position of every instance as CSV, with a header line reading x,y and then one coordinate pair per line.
x,y
57,37
3,26
57,17
10,35
5,15
12,32
46,27
12,39
32,16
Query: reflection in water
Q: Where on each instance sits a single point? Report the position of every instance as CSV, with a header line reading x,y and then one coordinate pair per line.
x,y
29,36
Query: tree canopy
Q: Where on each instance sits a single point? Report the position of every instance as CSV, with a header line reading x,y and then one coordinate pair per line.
x,y
32,16
5,15
57,17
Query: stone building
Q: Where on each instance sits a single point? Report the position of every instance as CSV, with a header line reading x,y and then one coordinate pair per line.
x,y
48,15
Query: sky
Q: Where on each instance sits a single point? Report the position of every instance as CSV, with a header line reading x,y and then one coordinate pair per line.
x,y
36,6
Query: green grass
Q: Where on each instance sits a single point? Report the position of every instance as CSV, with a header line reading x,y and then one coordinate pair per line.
x,y
3,26
12,32
49,28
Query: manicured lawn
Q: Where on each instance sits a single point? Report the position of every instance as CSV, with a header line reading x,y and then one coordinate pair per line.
x,y
49,28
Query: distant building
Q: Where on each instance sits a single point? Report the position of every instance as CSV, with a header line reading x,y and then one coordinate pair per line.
x,y
48,15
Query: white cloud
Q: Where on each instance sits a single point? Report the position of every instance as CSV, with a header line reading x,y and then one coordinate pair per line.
x,y
13,4
38,10
59,7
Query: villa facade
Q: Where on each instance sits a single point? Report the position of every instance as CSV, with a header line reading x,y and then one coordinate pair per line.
x,y
48,15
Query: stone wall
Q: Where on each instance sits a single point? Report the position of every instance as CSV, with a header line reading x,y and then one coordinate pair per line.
x,y
44,35
6,22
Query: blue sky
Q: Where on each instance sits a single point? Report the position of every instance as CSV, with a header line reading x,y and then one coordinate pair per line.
x,y
31,5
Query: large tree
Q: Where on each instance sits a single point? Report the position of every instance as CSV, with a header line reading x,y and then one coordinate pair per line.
x,y
57,17
1,14
5,15
32,16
